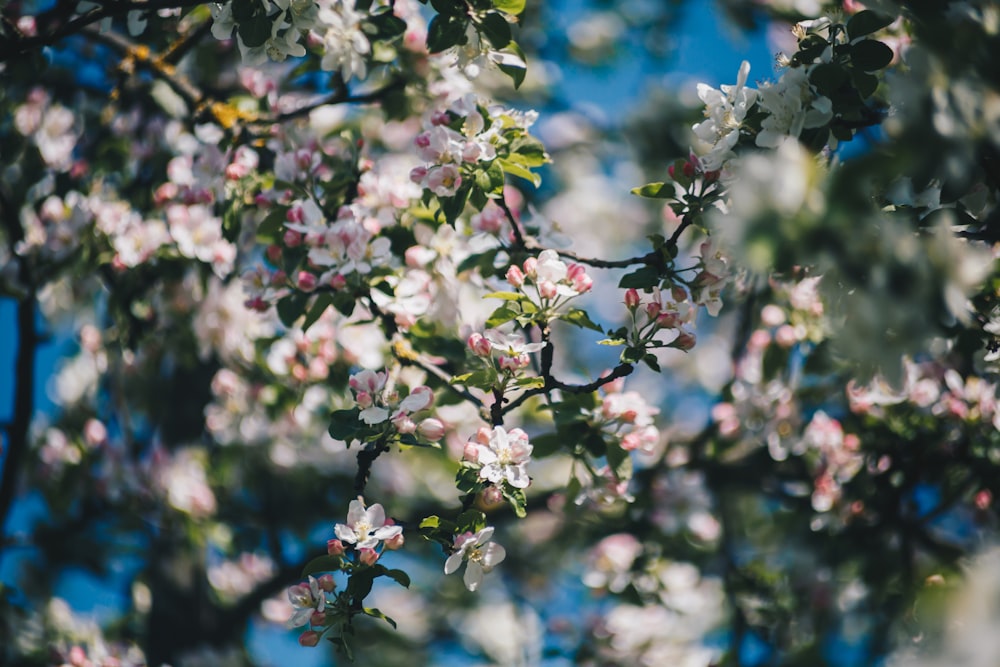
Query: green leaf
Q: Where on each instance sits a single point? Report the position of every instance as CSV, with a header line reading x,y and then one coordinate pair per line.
x,y
828,77
499,316
388,25
530,149
866,84
290,308
514,7
375,613
506,296
360,583
471,520
452,207
655,191
612,341
870,55
484,379
511,62
255,32
400,577
323,301
619,461
514,169
445,31
320,564
547,445
344,424
651,361
580,318
495,28
430,522
866,22
482,261
646,276
530,383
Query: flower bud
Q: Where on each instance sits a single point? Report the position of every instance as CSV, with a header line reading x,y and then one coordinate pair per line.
x,y
326,583
309,638
273,253
479,345
531,267
685,341
364,400
515,276
403,424
471,452
317,618
632,298
367,556
432,429
483,434
292,238
335,547
492,496
547,289
653,309
306,281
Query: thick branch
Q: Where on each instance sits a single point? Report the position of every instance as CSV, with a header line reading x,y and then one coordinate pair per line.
x,y
18,47
16,443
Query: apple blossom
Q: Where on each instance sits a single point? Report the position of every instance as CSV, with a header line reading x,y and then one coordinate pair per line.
x,y
479,554
365,527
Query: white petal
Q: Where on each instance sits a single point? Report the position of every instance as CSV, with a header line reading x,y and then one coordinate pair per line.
x,y
493,555
454,562
473,575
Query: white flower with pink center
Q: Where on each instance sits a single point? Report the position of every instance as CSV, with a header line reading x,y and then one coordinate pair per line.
x,y
479,554
504,457
365,527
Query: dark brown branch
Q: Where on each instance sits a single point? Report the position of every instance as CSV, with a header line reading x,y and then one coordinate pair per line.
x,y
141,57
619,371
340,96
17,47
16,442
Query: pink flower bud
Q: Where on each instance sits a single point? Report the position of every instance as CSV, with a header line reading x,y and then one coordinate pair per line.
x,y
547,289
632,298
785,336
273,253
653,309
471,452
309,638
94,432
440,118
335,547
317,618
432,429
685,341
670,170
531,268
492,496
326,583
582,283
418,174
236,171
404,424
479,345
367,556
279,278
984,499
515,276
306,281
678,294
338,281
292,238
483,434
295,214
689,169
364,400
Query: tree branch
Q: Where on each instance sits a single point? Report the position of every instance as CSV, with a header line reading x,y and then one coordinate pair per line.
x,y
18,47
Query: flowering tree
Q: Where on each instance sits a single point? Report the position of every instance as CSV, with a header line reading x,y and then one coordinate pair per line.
x,y
346,318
